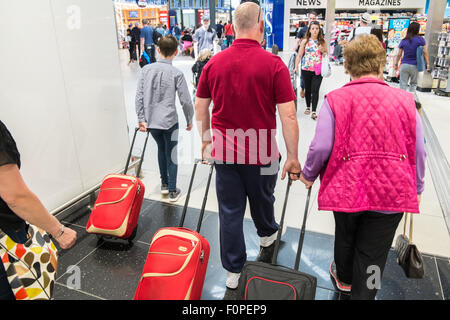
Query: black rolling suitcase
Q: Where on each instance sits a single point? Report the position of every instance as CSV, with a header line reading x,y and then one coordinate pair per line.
x,y
265,281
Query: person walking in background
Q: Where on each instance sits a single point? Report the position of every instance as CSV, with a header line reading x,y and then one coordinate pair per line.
x,y
19,205
246,170
135,39
363,28
156,110
177,32
161,30
219,29
369,150
204,37
147,42
312,16
378,32
229,33
407,52
313,47
203,58
131,49
187,43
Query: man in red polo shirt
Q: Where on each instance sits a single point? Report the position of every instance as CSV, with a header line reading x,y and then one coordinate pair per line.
x,y
246,84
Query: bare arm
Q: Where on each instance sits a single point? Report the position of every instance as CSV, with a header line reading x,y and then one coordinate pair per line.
x,y
203,122
398,58
27,206
324,48
426,56
301,52
288,117
142,44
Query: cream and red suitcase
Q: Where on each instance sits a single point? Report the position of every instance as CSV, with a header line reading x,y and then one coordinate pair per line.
x,y
116,210
177,260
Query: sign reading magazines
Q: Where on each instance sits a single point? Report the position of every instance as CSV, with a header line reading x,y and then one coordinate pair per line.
x,y
347,4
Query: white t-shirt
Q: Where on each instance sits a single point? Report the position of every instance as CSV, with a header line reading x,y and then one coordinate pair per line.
x,y
359,31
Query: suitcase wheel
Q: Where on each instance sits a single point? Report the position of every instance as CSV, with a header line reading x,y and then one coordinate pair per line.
x,y
133,235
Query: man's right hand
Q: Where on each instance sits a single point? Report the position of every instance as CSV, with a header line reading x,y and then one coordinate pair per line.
x,y
206,150
143,126
293,166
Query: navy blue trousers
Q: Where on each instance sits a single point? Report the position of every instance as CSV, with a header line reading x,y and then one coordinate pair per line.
x,y
234,184
167,155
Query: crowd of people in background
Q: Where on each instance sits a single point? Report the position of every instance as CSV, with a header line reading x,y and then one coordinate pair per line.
x,y
222,33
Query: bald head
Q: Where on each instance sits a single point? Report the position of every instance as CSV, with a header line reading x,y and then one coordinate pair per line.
x,y
246,17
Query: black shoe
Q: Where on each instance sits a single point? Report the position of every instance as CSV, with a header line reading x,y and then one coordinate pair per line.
x,y
231,294
174,195
266,253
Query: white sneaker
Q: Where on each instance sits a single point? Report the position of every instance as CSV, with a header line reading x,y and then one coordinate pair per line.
x,y
267,241
232,280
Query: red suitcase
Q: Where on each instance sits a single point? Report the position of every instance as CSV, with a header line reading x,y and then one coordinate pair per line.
x,y
176,263
116,210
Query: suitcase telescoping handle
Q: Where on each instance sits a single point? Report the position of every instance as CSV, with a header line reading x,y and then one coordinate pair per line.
x,y
302,232
202,211
142,156
283,213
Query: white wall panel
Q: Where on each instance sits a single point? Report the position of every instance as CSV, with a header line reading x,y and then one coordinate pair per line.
x,y
87,41
61,94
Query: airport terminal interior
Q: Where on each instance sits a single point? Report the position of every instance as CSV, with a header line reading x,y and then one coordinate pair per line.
x,y
70,105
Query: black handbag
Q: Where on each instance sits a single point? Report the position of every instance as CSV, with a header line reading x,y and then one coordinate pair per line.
x,y
408,256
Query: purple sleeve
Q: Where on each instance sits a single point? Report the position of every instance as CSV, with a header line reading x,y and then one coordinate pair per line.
x,y
422,41
322,144
420,155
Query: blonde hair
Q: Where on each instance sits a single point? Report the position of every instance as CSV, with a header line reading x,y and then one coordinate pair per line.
x,y
205,54
363,56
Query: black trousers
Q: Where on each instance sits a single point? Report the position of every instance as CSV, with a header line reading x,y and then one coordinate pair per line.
x,y
312,87
150,50
132,50
361,246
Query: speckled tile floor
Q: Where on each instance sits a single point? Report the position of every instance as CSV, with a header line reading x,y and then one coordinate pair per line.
x,y
111,269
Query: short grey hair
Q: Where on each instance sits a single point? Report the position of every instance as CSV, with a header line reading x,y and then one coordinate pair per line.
x,y
246,16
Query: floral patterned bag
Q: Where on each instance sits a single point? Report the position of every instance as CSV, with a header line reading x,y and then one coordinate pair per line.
x,y
30,267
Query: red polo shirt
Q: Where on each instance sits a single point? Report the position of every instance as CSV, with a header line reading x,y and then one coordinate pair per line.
x,y
245,83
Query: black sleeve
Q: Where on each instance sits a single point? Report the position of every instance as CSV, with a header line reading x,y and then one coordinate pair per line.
x,y
156,36
195,68
8,149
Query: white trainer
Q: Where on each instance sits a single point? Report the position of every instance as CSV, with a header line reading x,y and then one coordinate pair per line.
x,y
267,241
232,280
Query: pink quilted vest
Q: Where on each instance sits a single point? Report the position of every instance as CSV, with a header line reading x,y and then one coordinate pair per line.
x,y
373,162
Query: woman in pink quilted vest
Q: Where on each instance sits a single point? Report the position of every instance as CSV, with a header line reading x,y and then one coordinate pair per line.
x,y
369,152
